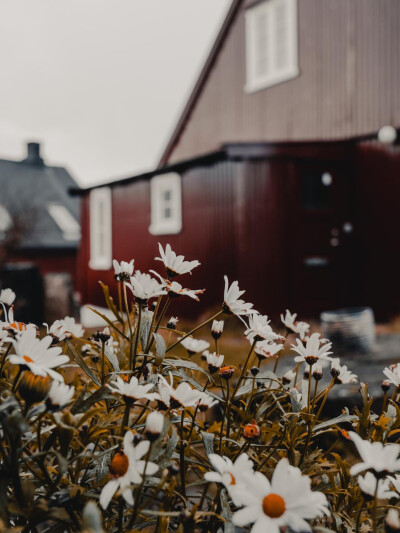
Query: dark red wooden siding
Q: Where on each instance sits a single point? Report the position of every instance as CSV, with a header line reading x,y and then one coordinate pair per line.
x,y
349,82
233,223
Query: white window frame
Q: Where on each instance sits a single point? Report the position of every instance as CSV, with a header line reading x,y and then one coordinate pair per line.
x,y
254,81
100,205
161,225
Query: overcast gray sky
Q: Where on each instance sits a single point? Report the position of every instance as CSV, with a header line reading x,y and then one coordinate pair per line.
x,y
100,83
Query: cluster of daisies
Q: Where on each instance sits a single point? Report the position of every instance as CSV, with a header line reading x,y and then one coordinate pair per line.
x,y
165,394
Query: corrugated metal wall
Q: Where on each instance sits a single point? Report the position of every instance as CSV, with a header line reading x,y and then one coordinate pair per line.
x,y
349,82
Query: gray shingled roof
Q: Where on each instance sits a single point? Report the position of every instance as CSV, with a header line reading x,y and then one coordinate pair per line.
x,y
30,188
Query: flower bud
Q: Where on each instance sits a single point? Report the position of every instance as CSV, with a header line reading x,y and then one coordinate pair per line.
x,y
33,388
317,372
214,362
154,425
172,322
251,431
102,336
254,371
392,522
217,328
173,469
226,372
306,374
385,385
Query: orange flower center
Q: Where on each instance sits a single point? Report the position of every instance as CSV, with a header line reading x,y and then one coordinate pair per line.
x,y
18,325
119,464
273,505
233,480
27,359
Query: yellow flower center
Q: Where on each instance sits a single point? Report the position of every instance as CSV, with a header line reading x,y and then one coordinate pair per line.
x,y
273,505
27,359
233,480
119,464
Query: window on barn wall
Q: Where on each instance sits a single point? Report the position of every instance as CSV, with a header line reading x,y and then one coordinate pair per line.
x,y
166,204
271,43
100,229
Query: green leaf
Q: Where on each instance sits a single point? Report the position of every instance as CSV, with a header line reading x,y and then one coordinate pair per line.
x,y
81,362
226,512
208,440
160,348
110,302
344,417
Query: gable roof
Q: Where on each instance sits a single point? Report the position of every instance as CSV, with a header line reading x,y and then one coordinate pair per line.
x,y
200,82
30,189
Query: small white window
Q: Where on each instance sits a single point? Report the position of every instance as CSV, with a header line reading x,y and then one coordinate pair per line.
x,y
166,204
100,229
65,221
271,44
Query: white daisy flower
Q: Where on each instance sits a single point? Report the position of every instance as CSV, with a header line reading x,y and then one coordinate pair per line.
x,y
175,264
302,328
217,328
194,346
214,361
175,398
154,425
287,501
266,349
393,374
56,330
126,468
259,329
375,456
205,401
132,390
175,289
59,396
144,287
123,270
7,296
289,377
232,303
228,473
289,321
368,486
342,375
72,328
312,351
37,355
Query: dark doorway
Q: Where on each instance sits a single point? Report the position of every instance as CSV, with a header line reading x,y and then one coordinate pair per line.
x,y
323,235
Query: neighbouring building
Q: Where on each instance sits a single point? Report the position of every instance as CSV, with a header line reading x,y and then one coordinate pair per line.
x,y
274,173
39,235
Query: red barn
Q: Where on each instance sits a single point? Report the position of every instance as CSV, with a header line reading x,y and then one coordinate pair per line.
x,y
274,173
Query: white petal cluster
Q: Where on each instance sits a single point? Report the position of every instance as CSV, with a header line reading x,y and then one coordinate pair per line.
x,y
289,321
368,486
136,468
341,373
393,374
123,270
259,329
144,287
205,401
133,389
232,302
7,296
37,354
181,396
267,349
214,360
175,264
285,501
376,456
174,288
65,329
154,425
59,395
194,345
312,351
230,474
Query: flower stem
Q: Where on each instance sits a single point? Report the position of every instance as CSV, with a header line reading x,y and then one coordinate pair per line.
x,y
223,418
132,362
195,329
182,456
243,370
